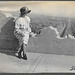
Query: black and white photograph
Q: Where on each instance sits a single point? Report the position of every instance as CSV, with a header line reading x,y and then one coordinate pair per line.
x,y
37,36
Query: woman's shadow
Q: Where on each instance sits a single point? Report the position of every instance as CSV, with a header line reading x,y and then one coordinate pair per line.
x,y
8,42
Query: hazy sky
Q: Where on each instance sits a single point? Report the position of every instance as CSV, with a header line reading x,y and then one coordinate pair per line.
x,y
52,8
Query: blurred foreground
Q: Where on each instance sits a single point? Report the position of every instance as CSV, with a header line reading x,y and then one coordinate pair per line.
x,y
36,63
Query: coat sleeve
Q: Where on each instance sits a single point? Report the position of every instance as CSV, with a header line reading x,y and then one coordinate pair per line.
x,y
29,28
17,26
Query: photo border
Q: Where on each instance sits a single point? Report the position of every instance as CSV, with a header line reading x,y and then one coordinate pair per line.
x,y
37,73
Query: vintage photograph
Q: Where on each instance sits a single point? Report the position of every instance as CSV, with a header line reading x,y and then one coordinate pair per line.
x,y
37,36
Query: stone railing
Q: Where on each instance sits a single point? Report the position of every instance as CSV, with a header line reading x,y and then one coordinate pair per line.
x,y
7,38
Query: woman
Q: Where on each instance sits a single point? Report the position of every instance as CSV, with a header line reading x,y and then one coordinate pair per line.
x,y
22,31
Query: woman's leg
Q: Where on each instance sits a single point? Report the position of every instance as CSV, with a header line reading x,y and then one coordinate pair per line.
x,y
24,51
19,53
18,36
22,44
25,41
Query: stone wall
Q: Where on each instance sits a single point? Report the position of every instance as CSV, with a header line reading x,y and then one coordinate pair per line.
x,y
7,39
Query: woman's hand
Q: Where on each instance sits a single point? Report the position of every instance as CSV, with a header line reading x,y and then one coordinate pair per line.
x,y
22,33
32,34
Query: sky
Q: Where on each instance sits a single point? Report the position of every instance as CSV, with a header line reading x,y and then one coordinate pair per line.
x,y
51,8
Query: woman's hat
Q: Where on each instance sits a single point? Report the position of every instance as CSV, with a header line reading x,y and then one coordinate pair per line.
x,y
25,10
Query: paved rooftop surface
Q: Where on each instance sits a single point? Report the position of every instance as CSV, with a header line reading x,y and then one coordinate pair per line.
x,y
36,63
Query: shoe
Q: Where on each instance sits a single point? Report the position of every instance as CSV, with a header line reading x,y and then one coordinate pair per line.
x,y
24,57
18,54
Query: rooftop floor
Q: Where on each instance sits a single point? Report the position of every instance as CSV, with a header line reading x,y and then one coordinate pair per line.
x,y
36,63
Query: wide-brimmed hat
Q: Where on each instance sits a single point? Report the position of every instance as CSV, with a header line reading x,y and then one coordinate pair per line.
x,y
24,10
